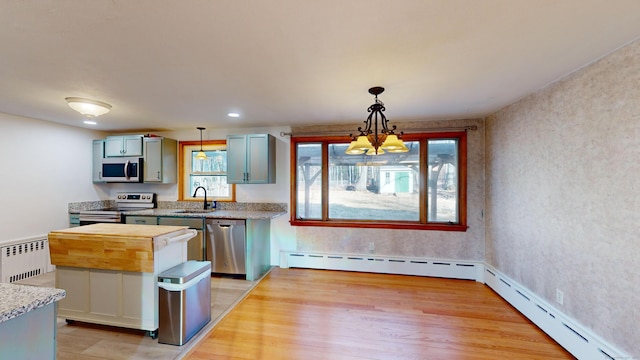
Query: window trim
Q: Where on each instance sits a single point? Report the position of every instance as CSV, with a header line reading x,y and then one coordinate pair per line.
x,y
182,174
422,224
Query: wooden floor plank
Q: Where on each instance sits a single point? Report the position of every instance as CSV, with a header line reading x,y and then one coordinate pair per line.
x,y
320,314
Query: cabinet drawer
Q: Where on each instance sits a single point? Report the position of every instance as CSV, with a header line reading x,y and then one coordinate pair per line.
x,y
142,220
178,221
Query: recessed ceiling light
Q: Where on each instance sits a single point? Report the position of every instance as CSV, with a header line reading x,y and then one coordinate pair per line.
x,y
90,122
234,115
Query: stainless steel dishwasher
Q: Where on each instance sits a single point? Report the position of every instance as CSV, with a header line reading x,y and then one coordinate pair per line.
x,y
226,247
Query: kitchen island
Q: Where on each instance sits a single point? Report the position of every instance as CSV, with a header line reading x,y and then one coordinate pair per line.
x,y
28,321
257,217
110,271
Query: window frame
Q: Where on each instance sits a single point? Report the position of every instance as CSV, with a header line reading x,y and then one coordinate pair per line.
x,y
422,223
183,173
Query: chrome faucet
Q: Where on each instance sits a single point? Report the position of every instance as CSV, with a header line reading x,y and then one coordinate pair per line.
x,y
205,196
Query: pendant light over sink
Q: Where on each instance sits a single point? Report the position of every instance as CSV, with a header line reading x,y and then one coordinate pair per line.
x,y
201,155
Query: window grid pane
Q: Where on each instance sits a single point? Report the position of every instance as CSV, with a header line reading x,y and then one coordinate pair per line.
x,y
442,193
309,181
382,187
216,161
210,173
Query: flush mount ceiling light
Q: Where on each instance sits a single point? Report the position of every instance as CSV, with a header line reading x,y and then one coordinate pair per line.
x,y
233,115
377,140
87,107
201,155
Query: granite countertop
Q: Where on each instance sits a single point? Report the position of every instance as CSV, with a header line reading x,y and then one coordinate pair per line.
x,y
217,214
16,300
225,210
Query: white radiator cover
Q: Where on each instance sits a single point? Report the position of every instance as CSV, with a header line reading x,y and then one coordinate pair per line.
x,y
455,269
23,259
575,338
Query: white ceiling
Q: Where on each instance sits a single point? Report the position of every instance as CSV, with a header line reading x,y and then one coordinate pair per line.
x,y
173,65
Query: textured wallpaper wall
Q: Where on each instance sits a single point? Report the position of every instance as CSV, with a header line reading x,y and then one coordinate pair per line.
x,y
562,195
467,245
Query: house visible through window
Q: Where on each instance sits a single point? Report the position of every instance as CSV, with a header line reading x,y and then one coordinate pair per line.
x,y
210,173
423,188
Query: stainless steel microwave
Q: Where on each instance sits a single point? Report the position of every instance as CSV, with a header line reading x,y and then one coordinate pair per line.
x,y
122,169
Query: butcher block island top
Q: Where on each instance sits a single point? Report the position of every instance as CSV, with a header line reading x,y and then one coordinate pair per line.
x,y
121,247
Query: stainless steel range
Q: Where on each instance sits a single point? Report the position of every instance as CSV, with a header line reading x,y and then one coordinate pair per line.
x,y
124,202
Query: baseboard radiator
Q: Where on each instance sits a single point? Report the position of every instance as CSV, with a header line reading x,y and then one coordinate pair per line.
x,y
22,260
575,338
453,269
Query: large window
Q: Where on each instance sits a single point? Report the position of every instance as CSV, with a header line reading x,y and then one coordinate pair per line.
x,y
210,173
424,188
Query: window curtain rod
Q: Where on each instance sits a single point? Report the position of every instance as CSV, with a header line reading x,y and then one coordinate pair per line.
x,y
418,130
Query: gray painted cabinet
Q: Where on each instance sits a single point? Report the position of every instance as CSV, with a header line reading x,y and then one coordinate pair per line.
x,y
160,160
251,159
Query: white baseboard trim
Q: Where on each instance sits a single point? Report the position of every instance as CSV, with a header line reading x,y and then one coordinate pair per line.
x,y
575,338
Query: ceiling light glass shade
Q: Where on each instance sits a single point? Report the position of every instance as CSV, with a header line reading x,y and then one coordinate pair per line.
x,y
401,150
372,151
393,144
88,107
351,151
201,155
362,144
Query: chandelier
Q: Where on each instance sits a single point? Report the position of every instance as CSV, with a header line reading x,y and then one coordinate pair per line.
x,y
379,139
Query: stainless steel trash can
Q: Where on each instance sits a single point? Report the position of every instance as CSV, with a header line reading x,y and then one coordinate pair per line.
x,y
184,301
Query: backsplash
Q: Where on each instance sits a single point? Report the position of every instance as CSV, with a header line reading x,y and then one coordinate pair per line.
x,y
91,205
231,206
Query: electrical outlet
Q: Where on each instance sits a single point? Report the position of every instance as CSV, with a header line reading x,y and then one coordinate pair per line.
x,y
372,246
559,297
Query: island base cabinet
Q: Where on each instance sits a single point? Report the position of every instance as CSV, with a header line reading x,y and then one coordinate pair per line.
x,y
30,336
125,299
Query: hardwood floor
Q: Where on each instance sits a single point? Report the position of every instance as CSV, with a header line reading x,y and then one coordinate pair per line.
x,y
319,314
82,341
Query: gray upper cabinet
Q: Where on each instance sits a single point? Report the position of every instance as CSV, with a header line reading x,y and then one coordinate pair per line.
x,y
160,160
251,159
128,145
98,155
